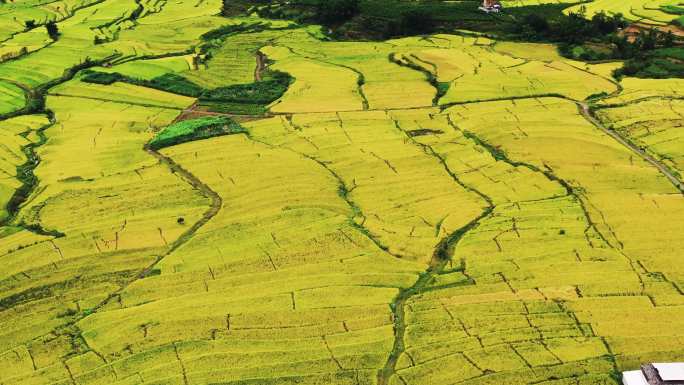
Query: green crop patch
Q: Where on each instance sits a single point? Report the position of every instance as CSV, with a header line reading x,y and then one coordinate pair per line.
x,y
262,92
245,99
195,129
168,82
101,77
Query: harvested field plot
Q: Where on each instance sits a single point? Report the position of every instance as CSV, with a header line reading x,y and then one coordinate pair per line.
x,y
191,199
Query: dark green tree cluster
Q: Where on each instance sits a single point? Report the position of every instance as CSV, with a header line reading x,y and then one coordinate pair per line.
x,y
645,41
337,11
573,28
651,54
415,22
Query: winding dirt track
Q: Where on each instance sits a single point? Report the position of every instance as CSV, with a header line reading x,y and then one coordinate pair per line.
x,y
197,184
260,67
585,111
212,211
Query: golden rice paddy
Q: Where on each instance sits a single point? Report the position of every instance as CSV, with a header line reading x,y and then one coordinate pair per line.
x,y
370,229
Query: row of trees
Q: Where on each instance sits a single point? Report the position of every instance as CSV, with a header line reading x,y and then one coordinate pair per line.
x,y
411,21
337,13
645,41
574,28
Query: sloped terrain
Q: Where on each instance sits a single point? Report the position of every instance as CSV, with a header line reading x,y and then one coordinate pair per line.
x,y
445,209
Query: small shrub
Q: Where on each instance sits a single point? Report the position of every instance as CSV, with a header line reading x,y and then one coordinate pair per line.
x,y
52,30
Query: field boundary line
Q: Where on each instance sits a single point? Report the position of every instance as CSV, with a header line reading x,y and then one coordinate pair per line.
x,y
441,256
360,80
586,112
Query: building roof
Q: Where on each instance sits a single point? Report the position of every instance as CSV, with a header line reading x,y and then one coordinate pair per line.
x,y
656,374
670,371
634,377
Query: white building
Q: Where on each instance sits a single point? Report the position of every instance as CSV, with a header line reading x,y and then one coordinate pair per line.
x,y
490,6
656,374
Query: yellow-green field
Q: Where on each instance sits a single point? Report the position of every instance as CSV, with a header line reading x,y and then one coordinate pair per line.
x,y
648,113
651,12
438,210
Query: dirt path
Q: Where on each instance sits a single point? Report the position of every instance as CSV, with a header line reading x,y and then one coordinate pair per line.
x,y
260,67
585,111
197,184
70,328
640,27
194,112
214,208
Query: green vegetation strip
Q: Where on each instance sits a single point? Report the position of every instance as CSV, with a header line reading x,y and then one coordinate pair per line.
x,y
196,129
249,99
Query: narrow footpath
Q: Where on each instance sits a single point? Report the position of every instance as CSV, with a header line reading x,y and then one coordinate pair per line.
x,y
585,111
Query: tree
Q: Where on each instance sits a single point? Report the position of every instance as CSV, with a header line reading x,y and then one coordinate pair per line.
x,y
573,28
52,30
30,24
337,11
605,24
416,21
649,40
537,23
668,40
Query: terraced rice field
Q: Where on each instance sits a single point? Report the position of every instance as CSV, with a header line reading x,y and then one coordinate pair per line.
x,y
653,12
648,12
649,113
436,210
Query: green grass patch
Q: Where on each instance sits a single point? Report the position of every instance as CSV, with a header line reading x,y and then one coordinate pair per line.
x,y
104,78
263,92
674,53
227,30
6,231
168,82
244,99
195,129
176,84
